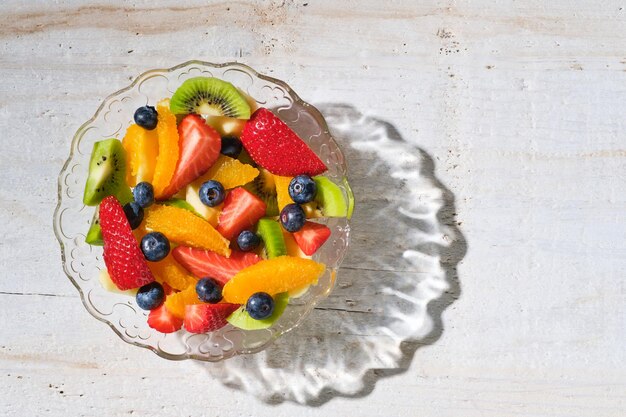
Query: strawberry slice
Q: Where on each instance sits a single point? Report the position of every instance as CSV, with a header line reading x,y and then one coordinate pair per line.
x,y
241,210
162,320
123,258
202,318
311,237
277,148
200,146
204,263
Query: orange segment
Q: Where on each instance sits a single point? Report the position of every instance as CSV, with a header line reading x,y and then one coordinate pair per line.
x,y
185,228
282,191
292,247
175,303
167,134
229,172
170,272
142,147
273,276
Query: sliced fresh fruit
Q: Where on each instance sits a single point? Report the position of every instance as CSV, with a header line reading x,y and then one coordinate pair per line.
x,y
122,256
176,302
199,147
229,172
192,196
330,198
202,318
312,210
226,126
167,159
264,187
272,236
142,149
162,320
183,227
277,148
170,272
180,203
107,284
242,210
272,276
282,191
203,263
311,237
210,96
94,234
107,173
241,319
292,247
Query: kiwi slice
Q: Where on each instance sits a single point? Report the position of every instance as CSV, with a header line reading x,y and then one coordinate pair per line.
x,y
94,234
264,187
272,236
107,173
330,198
209,96
241,319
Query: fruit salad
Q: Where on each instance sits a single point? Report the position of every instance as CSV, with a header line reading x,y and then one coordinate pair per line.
x,y
208,210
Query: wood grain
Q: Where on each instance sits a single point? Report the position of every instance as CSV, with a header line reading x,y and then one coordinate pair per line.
x,y
520,105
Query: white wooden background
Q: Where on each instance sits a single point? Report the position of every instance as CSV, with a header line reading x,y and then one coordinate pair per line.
x,y
521,104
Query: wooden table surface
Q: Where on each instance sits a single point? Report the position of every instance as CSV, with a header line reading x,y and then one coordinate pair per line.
x,y
521,107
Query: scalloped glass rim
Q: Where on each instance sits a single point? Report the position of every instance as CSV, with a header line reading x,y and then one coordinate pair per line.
x,y
334,155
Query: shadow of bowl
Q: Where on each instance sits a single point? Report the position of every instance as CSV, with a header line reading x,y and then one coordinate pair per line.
x,y
398,277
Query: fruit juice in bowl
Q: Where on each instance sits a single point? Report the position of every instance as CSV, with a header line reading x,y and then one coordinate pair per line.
x,y
214,214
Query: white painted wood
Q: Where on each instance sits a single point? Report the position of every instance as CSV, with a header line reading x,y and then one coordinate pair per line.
x,y
520,104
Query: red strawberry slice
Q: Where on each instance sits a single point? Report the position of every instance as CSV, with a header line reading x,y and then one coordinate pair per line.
x,y
241,210
162,320
311,237
202,318
200,146
204,263
122,255
277,148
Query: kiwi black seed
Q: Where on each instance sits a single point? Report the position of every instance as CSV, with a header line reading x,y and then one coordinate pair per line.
x,y
94,234
209,96
264,187
107,173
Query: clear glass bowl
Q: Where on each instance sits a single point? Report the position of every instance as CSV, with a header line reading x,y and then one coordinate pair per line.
x,y
82,262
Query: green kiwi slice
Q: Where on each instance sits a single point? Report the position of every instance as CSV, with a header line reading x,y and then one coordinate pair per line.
x,y
264,187
209,96
241,319
94,234
330,198
107,172
272,236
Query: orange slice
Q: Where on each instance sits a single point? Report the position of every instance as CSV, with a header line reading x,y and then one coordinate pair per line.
x,y
175,303
282,191
229,172
142,147
185,228
273,276
170,272
168,148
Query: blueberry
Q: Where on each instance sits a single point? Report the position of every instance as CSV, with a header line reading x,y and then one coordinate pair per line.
x,y
231,146
292,217
209,290
146,117
134,214
302,189
260,305
150,296
212,193
155,246
144,194
248,240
